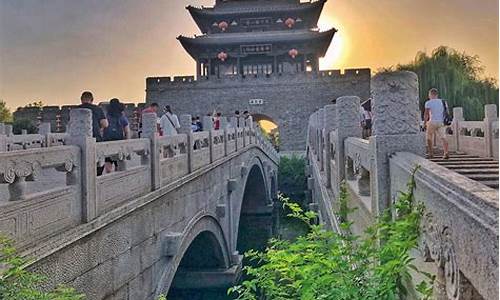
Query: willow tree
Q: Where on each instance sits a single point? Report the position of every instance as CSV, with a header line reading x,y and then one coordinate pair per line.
x,y
459,77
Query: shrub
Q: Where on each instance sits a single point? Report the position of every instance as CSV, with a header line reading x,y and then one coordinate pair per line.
x,y
292,177
328,265
17,283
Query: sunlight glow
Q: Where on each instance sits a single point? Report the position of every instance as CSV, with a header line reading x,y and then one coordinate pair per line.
x,y
268,126
335,57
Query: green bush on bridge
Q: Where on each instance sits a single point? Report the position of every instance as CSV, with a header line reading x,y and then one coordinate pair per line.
x,y
328,265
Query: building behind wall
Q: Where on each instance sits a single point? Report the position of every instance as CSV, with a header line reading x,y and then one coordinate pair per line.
x,y
261,56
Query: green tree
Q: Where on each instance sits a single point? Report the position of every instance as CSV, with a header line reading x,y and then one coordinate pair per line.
x,y
17,283
37,104
340,266
5,114
20,124
459,77
292,177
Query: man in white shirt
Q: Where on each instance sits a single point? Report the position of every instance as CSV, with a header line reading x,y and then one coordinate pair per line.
x,y
169,122
434,122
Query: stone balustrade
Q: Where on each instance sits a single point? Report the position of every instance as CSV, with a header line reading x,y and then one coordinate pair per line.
x,y
474,137
55,187
460,228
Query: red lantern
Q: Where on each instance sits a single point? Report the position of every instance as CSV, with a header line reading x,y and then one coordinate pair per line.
x,y
290,22
293,53
222,56
223,25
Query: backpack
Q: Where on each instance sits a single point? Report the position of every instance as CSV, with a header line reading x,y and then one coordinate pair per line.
x,y
114,132
447,118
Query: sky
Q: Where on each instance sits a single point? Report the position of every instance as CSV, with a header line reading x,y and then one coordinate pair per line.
x,y
52,50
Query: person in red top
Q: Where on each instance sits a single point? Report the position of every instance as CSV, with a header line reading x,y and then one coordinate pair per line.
x,y
217,121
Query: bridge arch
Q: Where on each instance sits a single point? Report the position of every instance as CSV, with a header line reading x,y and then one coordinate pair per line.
x,y
254,201
201,246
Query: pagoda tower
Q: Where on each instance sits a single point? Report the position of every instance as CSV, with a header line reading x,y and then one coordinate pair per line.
x,y
243,38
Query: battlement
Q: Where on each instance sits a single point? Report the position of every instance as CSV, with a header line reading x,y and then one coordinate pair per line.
x,y
176,81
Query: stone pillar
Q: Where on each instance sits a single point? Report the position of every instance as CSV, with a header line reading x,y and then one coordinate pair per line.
x,y
321,113
185,122
198,70
150,131
44,129
80,134
395,129
24,132
330,123
458,116
208,125
347,126
3,138
8,130
490,116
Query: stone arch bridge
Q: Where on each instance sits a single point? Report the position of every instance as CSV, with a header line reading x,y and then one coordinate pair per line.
x,y
174,208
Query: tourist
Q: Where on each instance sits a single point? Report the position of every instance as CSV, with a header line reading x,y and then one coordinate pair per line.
x,y
199,123
99,121
248,119
194,126
366,121
117,130
152,108
217,121
434,118
169,123
237,115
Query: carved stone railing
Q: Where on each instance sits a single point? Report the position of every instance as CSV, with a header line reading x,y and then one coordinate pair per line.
x,y
474,137
173,157
48,190
32,208
132,175
358,168
460,213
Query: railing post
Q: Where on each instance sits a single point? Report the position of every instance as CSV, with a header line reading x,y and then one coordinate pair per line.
x,y
348,126
8,130
208,126
45,130
3,138
80,134
458,116
330,122
321,118
395,129
150,131
185,122
490,115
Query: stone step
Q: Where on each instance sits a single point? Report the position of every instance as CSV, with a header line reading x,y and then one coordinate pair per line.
x,y
469,166
454,158
482,177
477,171
491,183
468,163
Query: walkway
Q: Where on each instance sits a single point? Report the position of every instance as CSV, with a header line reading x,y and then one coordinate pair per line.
x,y
480,169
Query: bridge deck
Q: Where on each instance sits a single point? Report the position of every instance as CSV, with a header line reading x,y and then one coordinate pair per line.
x,y
483,170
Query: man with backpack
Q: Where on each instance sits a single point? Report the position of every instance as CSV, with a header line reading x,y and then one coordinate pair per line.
x,y
436,118
99,121
118,128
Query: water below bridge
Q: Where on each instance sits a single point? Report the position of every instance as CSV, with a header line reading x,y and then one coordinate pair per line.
x,y
254,234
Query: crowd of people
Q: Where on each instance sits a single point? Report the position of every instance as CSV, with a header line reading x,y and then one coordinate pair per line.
x,y
113,124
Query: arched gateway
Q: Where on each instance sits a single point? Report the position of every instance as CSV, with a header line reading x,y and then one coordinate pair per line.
x,y
251,57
